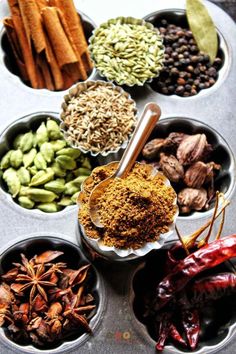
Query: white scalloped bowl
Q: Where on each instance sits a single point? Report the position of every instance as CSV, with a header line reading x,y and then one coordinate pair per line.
x,y
117,254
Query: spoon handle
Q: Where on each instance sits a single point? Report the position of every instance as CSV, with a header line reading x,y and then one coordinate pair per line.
x,y
146,123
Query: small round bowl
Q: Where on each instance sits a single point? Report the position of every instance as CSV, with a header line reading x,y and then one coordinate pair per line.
x,y
217,332
73,256
74,92
222,154
178,17
19,126
116,254
123,81
8,60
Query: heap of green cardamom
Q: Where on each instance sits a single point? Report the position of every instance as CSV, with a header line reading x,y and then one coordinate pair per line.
x,y
41,171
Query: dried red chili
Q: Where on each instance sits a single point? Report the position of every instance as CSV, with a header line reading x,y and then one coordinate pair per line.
x,y
206,257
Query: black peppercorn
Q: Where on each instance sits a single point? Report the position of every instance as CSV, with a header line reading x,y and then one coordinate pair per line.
x,y
179,90
186,70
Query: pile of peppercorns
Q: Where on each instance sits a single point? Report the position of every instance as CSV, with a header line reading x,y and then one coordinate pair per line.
x,y
186,70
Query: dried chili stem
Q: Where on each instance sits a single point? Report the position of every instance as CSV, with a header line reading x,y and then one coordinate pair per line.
x,y
181,240
190,240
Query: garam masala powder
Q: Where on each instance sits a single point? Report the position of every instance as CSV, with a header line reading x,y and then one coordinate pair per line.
x,y
134,210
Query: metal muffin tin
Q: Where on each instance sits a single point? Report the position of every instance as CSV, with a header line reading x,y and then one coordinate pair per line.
x,y
119,331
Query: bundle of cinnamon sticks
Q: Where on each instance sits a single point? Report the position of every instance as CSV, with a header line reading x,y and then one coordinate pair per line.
x,y
48,43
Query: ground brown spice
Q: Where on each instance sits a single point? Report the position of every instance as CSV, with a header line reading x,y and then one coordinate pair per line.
x,y
134,210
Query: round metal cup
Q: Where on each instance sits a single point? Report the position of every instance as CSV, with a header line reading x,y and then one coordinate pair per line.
x,y
222,154
8,61
23,125
124,20
116,254
105,156
143,284
178,17
73,256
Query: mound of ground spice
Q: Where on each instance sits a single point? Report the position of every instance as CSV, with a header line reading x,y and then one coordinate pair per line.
x,y
134,210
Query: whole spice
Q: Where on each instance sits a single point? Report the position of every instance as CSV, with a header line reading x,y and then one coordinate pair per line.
x,y
187,69
43,301
171,167
177,304
202,27
184,160
40,166
99,118
48,44
127,50
190,198
134,210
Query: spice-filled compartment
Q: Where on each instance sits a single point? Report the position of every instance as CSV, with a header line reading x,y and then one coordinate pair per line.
x,y
214,308
51,51
63,305
39,170
196,159
187,71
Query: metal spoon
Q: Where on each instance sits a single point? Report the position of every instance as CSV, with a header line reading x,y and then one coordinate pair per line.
x,y
146,123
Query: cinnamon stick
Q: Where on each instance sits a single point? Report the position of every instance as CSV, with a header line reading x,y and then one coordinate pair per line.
x,y
76,29
46,73
58,39
55,69
24,44
80,73
16,50
32,22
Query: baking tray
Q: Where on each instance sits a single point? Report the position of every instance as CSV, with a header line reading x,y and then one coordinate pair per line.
x,y
118,330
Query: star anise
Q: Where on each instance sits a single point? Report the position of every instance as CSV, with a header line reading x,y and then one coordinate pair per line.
x,y
35,277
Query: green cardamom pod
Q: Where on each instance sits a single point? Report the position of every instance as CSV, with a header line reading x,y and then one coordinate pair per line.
x,y
42,177
74,197
5,162
28,158
58,171
66,162
33,170
41,134
16,158
82,171
69,176
16,142
25,202
70,188
26,142
86,163
79,180
24,176
23,191
12,181
58,144
39,162
74,153
65,201
8,173
48,207
47,151
53,129
41,195
56,186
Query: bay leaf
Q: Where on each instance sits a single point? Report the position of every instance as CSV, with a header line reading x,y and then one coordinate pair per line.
x,y
202,27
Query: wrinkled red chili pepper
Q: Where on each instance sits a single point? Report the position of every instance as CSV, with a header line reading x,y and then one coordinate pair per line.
x,y
212,287
204,258
174,334
191,324
164,330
